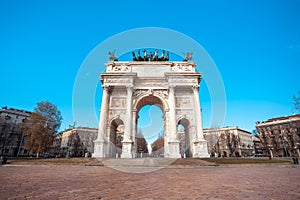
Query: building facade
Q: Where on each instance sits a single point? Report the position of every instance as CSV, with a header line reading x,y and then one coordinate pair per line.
x,y
229,142
280,137
76,142
11,132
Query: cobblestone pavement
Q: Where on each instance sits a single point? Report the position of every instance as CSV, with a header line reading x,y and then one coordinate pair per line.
x,y
86,182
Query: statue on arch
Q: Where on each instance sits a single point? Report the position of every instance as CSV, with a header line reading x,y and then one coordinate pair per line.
x,y
155,56
188,56
167,57
146,57
162,57
111,56
134,58
139,57
150,56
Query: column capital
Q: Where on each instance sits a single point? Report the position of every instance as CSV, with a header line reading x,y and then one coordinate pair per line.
x,y
106,88
195,87
171,88
129,87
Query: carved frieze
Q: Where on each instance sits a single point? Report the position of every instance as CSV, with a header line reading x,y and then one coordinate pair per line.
x,y
162,93
182,67
117,80
118,67
138,93
182,79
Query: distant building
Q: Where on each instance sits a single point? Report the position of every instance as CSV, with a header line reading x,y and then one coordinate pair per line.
x,y
56,145
11,132
229,142
76,142
257,146
280,137
13,115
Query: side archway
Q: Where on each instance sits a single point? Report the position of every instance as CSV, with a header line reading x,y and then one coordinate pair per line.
x,y
115,137
183,134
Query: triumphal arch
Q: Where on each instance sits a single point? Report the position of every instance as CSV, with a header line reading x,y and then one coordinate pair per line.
x,y
128,86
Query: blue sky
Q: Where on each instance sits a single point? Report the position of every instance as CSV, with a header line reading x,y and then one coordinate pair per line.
x,y
254,44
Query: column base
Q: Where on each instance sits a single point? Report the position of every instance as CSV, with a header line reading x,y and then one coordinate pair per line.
x,y
99,149
200,149
127,149
173,149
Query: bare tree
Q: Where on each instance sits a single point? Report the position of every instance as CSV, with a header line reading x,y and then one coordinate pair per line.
x,y
141,144
75,145
42,126
7,135
297,102
158,146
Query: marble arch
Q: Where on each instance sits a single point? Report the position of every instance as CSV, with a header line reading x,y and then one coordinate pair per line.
x,y
173,86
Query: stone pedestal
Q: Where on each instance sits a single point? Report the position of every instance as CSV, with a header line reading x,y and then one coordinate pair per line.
x,y
174,149
200,149
127,149
99,149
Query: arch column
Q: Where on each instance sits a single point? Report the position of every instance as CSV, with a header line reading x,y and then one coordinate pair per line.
x,y
134,130
173,141
100,143
200,144
198,115
127,142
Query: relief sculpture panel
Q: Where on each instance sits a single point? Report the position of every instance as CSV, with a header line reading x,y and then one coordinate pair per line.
x,y
182,102
118,102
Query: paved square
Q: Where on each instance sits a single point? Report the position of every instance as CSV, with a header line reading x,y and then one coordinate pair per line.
x,y
94,182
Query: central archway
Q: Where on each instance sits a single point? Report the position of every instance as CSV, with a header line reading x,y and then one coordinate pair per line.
x,y
159,143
